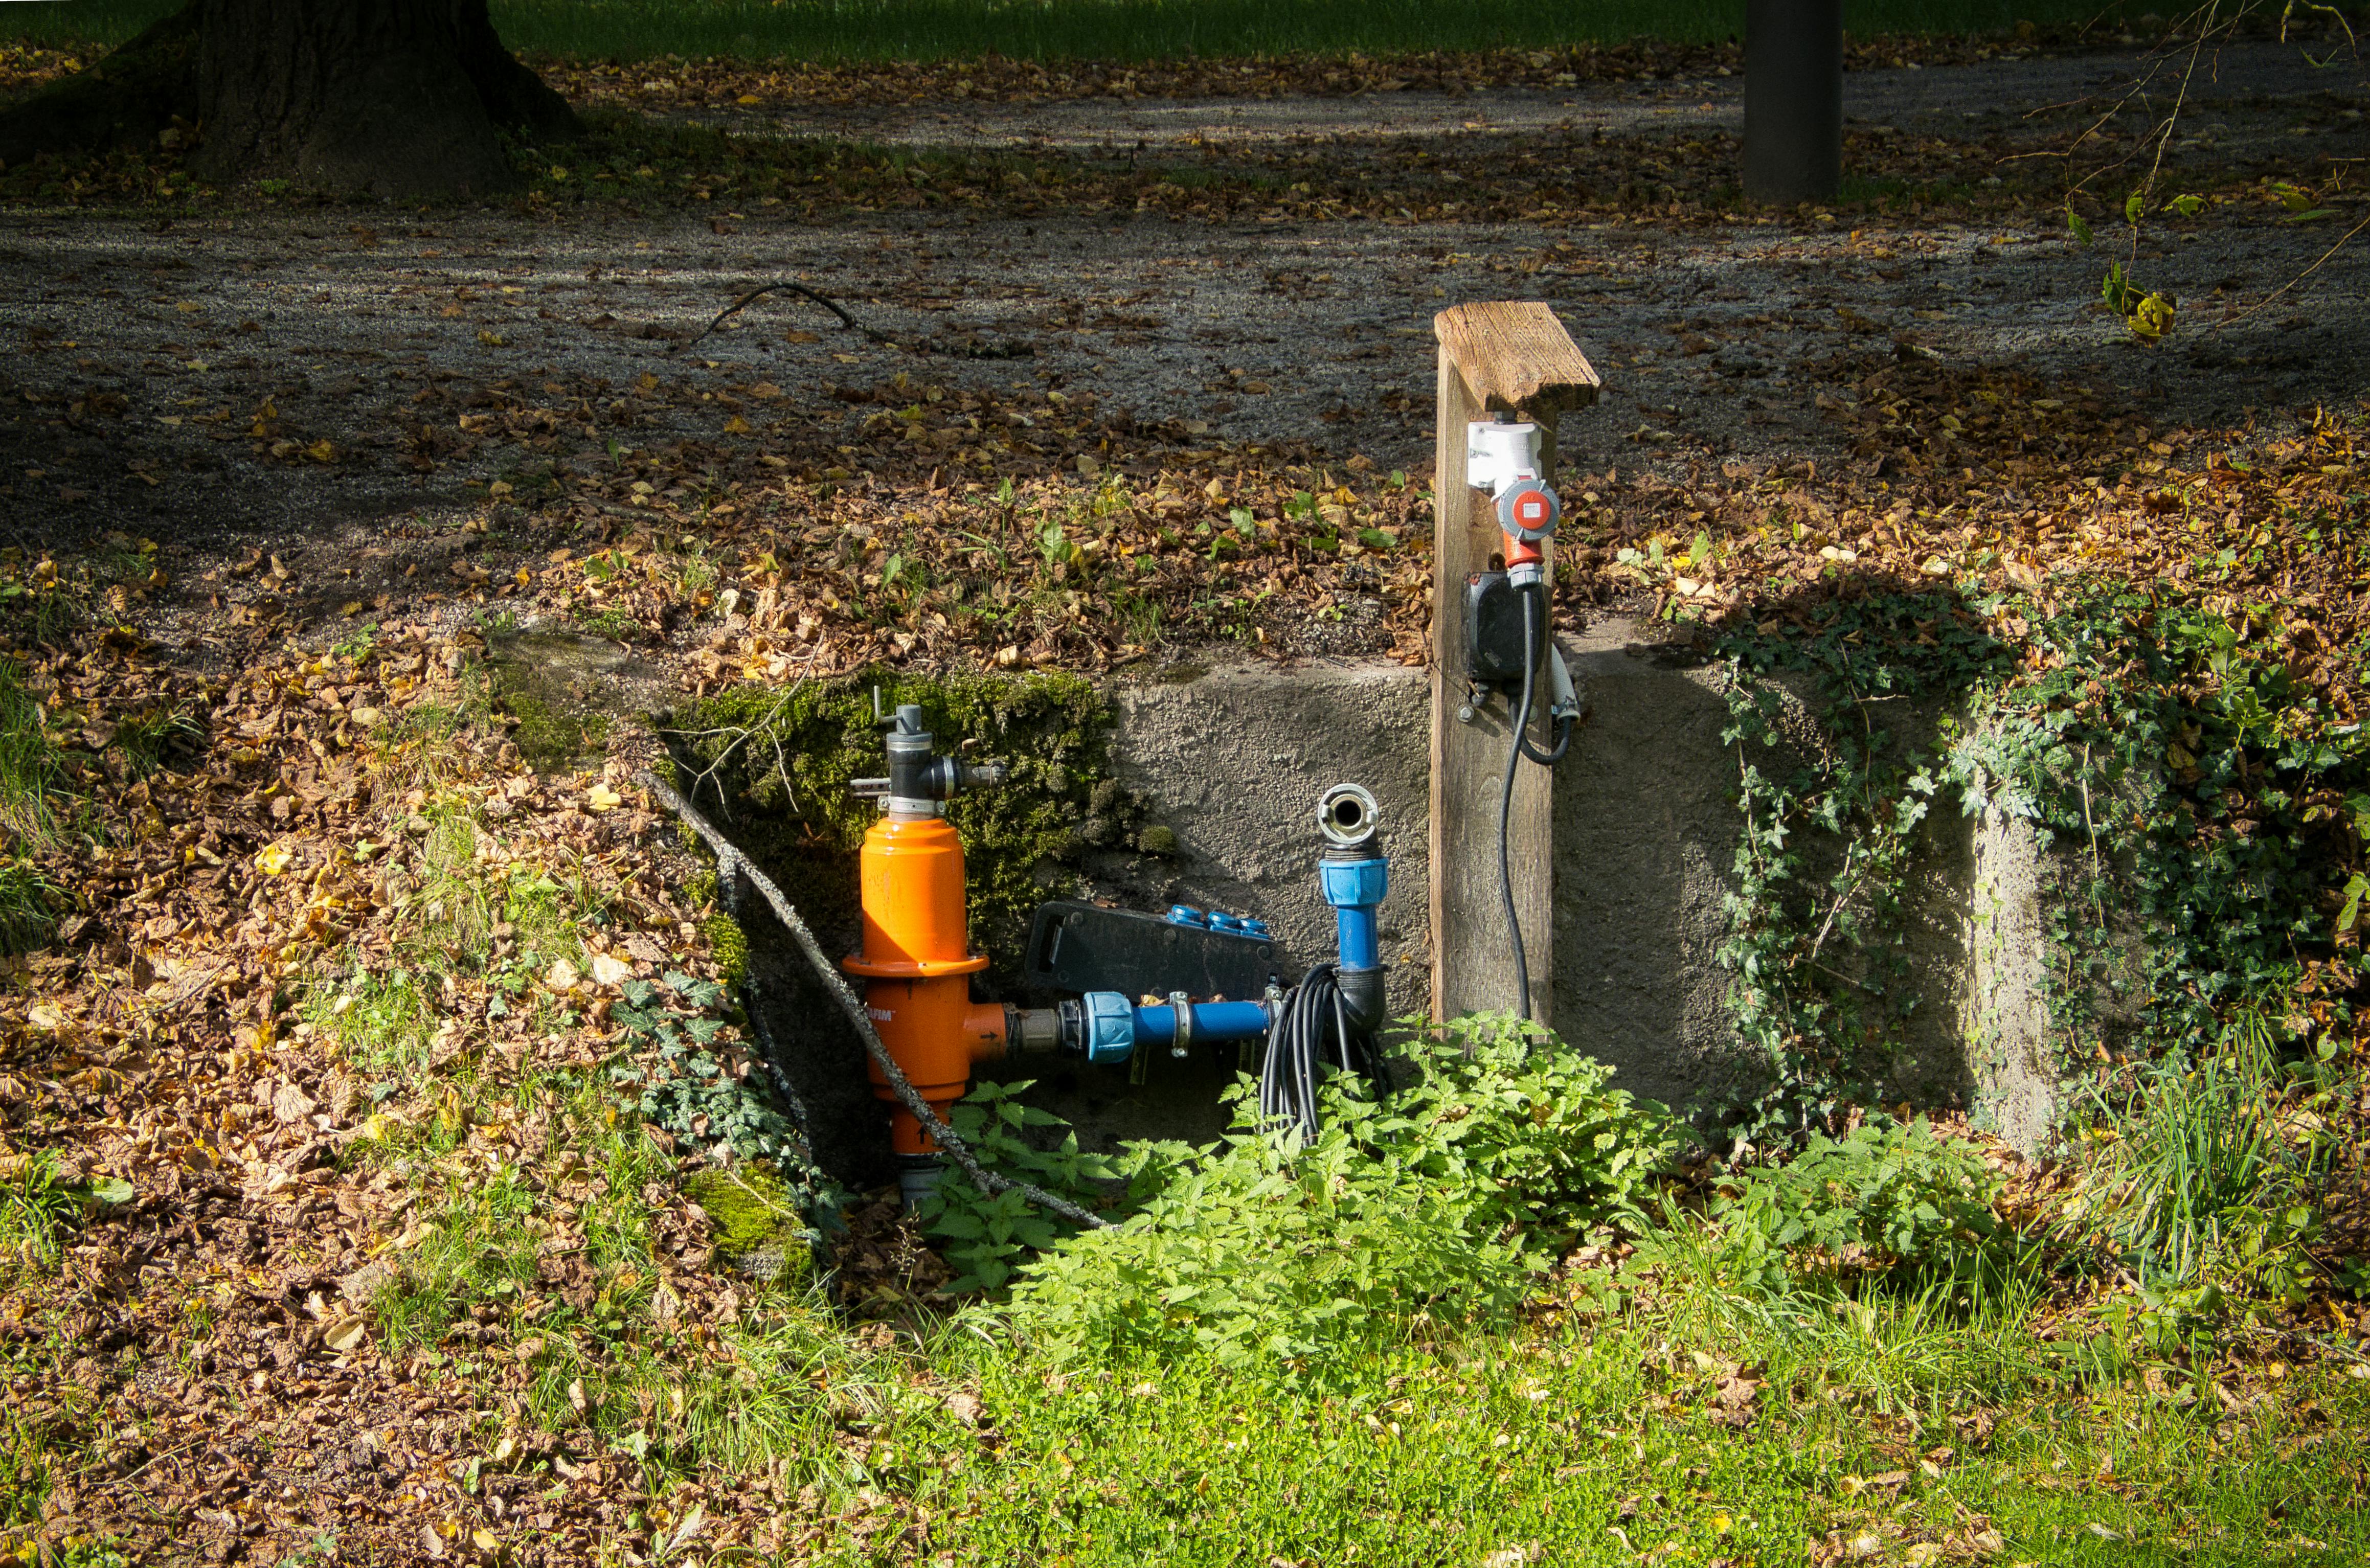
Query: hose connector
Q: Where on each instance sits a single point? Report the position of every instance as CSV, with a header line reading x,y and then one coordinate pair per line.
x,y
1348,817
1101,1026
1354,876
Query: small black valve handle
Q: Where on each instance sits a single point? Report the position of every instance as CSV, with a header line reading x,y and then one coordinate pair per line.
x,y
916,773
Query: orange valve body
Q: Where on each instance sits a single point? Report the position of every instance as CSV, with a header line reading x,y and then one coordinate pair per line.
x,y
917,961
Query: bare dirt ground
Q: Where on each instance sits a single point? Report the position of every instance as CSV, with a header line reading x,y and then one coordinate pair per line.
x,y
175,376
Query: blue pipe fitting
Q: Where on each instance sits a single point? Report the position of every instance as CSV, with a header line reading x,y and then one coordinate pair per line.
x,y
1353,883
1356,888
1112,1029
1186,914
1110,1023
1212,1020
1231,925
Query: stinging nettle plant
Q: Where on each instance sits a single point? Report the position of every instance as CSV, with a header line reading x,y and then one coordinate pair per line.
x,y
1438,1205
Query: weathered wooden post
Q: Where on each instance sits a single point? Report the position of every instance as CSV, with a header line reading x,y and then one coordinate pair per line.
x,y
1514,358
1794,100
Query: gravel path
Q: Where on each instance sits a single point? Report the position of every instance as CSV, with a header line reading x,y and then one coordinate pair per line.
x,y
1939,100
146,352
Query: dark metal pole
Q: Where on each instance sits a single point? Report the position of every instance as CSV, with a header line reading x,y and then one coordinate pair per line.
x,y
1794,100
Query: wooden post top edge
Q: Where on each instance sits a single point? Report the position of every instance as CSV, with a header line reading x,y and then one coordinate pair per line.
x,y
1516,354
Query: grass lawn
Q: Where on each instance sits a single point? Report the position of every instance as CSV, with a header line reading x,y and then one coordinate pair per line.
x,y
1091,29
1566,1447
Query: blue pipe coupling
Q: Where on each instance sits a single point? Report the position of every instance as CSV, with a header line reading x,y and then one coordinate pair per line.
x,y
1108,1027
1106,1023
1356,890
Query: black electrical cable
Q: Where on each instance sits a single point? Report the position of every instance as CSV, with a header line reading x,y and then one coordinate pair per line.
x,y
1287,1089
1532,597
1522,748
1311,1029
1505,816
1562,745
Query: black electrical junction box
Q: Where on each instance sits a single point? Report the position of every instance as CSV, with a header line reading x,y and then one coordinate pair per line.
x,y
1493,627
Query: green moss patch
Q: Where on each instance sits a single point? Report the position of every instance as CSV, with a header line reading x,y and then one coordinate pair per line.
x,y
775,766
729,945
557,686
756,1222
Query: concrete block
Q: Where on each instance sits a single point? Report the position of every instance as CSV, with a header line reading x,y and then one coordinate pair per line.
x,y
2004,1016
1646,831
1646,834
1233,758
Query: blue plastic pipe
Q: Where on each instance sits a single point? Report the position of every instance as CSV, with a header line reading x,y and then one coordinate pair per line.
x,y
1356,888
1354,931
1212,1020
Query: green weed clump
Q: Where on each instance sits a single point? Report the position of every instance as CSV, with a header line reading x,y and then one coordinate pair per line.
x,y
36,1210
28,914
1438,1206
2196,1182
33,769
32,781
693,1089
1891,1203
39,1206
988,1238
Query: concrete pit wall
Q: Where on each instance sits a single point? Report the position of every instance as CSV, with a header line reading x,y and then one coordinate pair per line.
x,y
1646,828
1233,757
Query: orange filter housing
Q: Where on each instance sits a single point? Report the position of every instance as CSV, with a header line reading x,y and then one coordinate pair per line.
x,y
917,961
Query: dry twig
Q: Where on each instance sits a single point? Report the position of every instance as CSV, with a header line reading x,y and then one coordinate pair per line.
x,y
731,868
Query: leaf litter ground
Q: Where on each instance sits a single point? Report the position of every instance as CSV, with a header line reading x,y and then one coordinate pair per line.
x,y
345,973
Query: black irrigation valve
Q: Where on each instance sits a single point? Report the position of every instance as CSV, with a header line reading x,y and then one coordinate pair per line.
x,y
916,773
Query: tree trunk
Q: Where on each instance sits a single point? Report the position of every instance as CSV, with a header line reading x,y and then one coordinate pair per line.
x,y
1794,100
126,101
396,98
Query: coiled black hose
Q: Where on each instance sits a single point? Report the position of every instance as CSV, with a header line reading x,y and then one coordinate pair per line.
x,y
1314,1027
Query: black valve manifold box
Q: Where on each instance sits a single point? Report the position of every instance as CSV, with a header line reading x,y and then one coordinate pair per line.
x,y
1076,947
